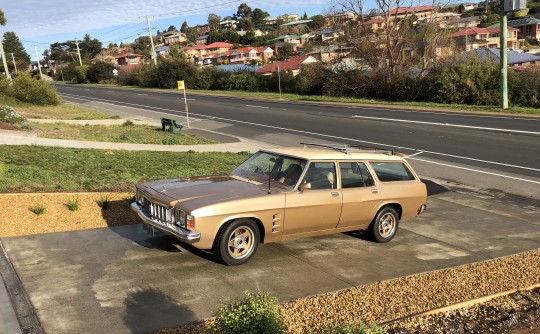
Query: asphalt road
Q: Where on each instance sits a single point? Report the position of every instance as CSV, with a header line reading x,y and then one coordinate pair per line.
x,y
500,143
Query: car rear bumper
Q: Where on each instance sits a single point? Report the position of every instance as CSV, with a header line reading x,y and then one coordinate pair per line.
x,y
174,231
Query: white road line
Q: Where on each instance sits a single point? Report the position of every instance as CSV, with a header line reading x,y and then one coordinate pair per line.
x,y
142,94
456,114
413,155
249,105
319,134
447,125
476,170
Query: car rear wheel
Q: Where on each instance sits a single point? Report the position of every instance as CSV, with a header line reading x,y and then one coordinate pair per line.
x,y
237,242
384,227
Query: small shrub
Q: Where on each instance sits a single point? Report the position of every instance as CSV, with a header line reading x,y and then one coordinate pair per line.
x,y
37,209
251,313
9,115
127,123
73,204
103,202
123,137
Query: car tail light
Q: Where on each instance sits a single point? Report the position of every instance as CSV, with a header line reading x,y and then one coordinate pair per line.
x,y
422,208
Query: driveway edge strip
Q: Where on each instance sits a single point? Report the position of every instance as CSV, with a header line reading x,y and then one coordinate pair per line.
x,y
22,306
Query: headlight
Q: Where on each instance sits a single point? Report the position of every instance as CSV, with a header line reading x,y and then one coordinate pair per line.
x,y
139,197
184,220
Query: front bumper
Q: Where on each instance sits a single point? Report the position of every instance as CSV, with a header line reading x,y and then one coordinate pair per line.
x,y
175,231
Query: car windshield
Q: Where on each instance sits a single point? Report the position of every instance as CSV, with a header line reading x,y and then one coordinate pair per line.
x,y
263,166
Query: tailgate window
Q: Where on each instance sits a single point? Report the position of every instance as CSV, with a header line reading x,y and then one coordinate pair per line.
x,y
392,171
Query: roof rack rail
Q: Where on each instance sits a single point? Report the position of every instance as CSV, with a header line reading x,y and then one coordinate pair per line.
x,y
348,149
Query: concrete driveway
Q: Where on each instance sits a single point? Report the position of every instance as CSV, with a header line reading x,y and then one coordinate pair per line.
x,y
121,280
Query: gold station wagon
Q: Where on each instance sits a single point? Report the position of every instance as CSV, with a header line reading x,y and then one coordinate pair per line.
x,y
285,194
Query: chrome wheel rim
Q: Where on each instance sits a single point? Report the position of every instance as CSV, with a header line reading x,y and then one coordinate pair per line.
x,y
387,225
240,242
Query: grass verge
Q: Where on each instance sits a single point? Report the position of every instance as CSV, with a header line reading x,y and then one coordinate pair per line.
x,y
51,169
62,111
138,134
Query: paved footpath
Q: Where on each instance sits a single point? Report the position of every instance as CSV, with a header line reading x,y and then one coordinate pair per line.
x,y
8,321
232,144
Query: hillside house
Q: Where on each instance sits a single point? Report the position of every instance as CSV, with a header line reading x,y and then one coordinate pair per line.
x,y
474,38
293,65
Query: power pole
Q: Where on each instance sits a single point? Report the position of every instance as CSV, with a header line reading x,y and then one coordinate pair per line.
x,y
504,57
38,62
13,58
78,51
151,41
4,60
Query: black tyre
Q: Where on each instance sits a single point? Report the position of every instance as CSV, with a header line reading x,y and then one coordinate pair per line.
x,y
237,242
384,227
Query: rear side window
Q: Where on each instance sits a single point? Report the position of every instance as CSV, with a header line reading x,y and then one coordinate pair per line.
x,y
355,175
392,171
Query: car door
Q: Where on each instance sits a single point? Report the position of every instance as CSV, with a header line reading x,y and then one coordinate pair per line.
x,y
317,205
360,193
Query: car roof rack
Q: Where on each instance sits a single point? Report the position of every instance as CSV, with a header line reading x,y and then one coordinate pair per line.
x,y
348,149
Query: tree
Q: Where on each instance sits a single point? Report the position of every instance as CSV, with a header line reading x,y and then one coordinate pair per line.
x,y
142,46
176,52
61,52
214,21
184,27
89,48
2,18
244,11
258,17
171,28
318,21
12,44
305,17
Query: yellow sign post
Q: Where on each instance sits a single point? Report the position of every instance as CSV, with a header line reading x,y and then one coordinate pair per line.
x,y
181,86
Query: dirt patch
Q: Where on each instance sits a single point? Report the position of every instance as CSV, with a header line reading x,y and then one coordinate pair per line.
x,y
17,218
8,126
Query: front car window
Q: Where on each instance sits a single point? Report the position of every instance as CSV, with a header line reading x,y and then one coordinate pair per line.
x,y
392,171
263,166
321,175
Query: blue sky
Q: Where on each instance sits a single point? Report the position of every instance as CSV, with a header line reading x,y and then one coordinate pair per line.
x,y
41,23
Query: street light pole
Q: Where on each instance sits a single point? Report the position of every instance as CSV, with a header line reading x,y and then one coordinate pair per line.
x,y
504,58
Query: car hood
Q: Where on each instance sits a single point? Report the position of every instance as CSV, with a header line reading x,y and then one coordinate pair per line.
x,y
194,193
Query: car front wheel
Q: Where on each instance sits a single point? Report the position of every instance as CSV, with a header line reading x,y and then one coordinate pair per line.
x,y
384,227
237,242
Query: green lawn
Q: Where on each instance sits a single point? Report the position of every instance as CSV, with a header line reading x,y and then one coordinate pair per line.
x,y
127,133
51,169
62,111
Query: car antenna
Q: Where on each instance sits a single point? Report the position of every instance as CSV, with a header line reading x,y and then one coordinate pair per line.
x,y
269,178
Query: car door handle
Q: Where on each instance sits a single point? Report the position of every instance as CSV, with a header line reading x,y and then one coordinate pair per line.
x,y
375,191
335,194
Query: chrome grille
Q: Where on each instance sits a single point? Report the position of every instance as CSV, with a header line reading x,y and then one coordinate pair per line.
x,y
158,211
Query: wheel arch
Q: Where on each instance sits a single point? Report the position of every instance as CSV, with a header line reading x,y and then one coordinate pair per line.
x,y
257,221
395,205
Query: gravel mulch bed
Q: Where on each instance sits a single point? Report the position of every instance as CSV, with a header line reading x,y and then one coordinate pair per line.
x,y
16,217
